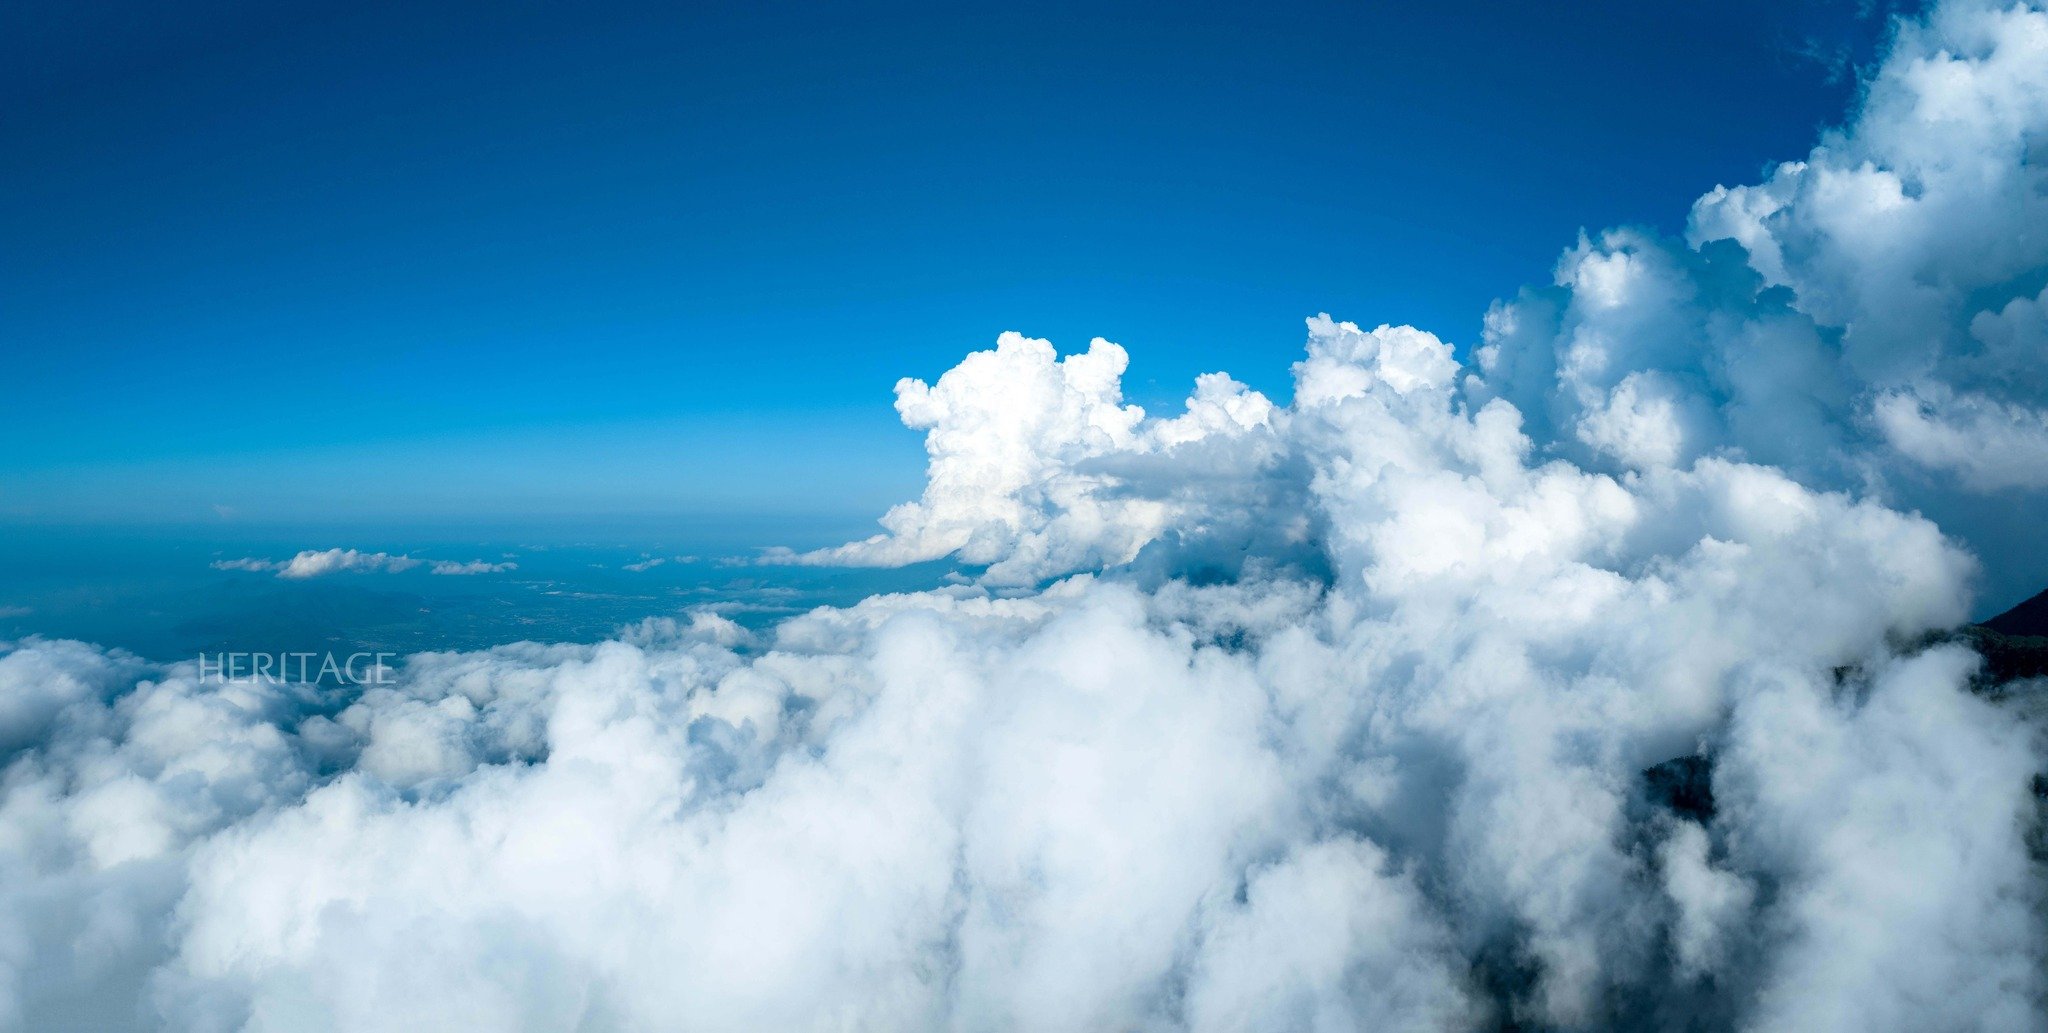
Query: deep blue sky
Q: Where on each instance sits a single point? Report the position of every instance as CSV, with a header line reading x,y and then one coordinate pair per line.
x,y
366,261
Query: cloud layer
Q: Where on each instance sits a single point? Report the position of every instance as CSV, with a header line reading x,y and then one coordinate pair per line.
x,y
1598,685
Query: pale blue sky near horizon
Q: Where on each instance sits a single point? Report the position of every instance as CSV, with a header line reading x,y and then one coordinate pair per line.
x,y
373,263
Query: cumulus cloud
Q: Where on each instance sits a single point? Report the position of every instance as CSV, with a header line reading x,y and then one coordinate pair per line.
x,y
1870,318
1410,798
1603,684
1038,468
334,561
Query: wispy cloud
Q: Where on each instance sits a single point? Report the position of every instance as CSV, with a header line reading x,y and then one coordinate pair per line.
x,y
248,563
322,562
448,567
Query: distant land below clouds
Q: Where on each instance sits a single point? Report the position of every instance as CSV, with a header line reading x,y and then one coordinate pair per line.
x,y
171,594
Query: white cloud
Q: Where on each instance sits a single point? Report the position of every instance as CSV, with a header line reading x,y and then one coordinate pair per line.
x,y
318,563
1253,805
313,563
1868,317
1989,444
1038,468
450,567
248,563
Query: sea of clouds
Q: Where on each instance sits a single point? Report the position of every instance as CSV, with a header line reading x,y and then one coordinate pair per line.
x,y
1597,684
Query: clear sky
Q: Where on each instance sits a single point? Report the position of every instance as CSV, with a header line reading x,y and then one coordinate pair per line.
x,y
380,261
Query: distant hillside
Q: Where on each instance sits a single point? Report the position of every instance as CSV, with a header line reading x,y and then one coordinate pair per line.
x,y
2027,620
2015,643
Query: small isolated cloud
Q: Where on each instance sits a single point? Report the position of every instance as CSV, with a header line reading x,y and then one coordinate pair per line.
x,y
317,562
249,563
334,561
452,568
646,564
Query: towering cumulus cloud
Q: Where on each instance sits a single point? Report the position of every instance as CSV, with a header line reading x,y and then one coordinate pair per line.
x,y
1601,684
1874,317
1038,468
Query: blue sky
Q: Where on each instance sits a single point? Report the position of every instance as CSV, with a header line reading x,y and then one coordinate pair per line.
x,y
392,262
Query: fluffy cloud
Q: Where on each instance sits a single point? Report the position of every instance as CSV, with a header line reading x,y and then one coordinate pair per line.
x,y
1602,685
1869,317
335,561
1038,468
1410,798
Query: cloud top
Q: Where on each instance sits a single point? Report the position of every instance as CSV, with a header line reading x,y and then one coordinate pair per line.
x,y
1869,318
